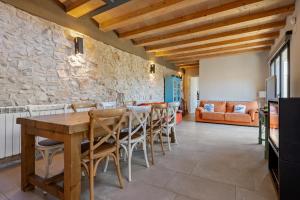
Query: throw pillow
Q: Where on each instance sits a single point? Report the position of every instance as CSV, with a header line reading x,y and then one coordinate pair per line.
x,y
209,107
240,109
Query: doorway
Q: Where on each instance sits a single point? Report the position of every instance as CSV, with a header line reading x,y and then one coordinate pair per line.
x,y
193,90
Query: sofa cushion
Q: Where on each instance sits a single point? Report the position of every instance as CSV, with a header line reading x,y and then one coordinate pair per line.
x,y
209,107
250,105
240,109
220,116
238,117
219,106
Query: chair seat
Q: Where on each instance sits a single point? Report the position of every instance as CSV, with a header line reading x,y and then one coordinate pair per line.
x,y
102,150
48,143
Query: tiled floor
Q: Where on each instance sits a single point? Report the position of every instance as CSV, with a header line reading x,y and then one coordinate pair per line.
x,y
211,162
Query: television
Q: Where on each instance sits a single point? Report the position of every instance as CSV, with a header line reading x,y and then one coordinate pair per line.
x,y
271,88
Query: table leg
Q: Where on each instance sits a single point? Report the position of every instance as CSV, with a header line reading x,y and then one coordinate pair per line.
x,y
260,132
72,166
27,158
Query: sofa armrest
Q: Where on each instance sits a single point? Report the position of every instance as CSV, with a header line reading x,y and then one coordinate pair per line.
x,y
253,113
198,113
200,109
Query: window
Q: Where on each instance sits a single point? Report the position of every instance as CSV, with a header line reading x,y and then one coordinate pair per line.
x,y
279,67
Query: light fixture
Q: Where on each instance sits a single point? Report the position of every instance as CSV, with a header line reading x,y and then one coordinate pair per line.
x,y
152,68
78,45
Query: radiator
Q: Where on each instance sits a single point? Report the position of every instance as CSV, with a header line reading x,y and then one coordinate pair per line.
x,y
10,131
10,137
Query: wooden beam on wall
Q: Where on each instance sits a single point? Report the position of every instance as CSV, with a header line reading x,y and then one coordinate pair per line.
x,y
175,45
82,7
197,58
267,43
265,36
190,18
141,14
211,26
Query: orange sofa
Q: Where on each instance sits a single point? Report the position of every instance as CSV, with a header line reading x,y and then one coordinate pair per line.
x,y
223,113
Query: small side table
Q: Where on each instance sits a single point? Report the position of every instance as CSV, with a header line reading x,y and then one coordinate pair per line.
x,y
263,132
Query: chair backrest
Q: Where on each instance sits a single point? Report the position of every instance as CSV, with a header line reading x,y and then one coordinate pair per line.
x,y
108,104
99,122
130,103
137,119
80,107
158,114
36,110
172,111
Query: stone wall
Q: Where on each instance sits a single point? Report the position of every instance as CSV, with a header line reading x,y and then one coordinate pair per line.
x,y
38,65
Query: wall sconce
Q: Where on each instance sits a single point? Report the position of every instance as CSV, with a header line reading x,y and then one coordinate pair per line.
x,y
78,45
152,68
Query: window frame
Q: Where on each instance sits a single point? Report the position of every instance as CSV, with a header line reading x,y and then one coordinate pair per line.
x,y
272,68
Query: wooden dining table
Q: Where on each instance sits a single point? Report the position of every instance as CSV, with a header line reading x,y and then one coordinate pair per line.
x,y
69,128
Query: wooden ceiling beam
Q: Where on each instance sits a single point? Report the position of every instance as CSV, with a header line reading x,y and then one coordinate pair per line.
x,y
188,66
222,49
142,14
180,63
194,59
175,45
82,7
264,36
190,18
211,26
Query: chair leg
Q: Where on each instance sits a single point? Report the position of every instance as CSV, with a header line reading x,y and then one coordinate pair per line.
x,y
161,142
145,152
129,163
175,136
117,164
168,137
106,164
91,179
151,147
47,163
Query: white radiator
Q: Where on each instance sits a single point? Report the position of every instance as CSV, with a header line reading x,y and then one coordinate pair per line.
x,y
10,137
10,131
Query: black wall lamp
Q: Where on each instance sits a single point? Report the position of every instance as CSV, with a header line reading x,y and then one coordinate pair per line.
x,y
78,45
152,68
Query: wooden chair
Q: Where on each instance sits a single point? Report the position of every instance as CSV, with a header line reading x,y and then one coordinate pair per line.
x,y
47,148
170,122
78,107
154,129
99,149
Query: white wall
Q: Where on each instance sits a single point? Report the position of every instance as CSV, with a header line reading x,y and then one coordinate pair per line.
x,y
294,50
234,77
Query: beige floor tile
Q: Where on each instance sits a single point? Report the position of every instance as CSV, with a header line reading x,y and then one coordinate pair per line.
x,y
180,197
244,194
138,190
200,188
2,197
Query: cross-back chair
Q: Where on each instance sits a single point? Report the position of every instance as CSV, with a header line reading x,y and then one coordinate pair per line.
x,y
98,149
169,123
77,107
136,134
154,129
48,148
108,104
